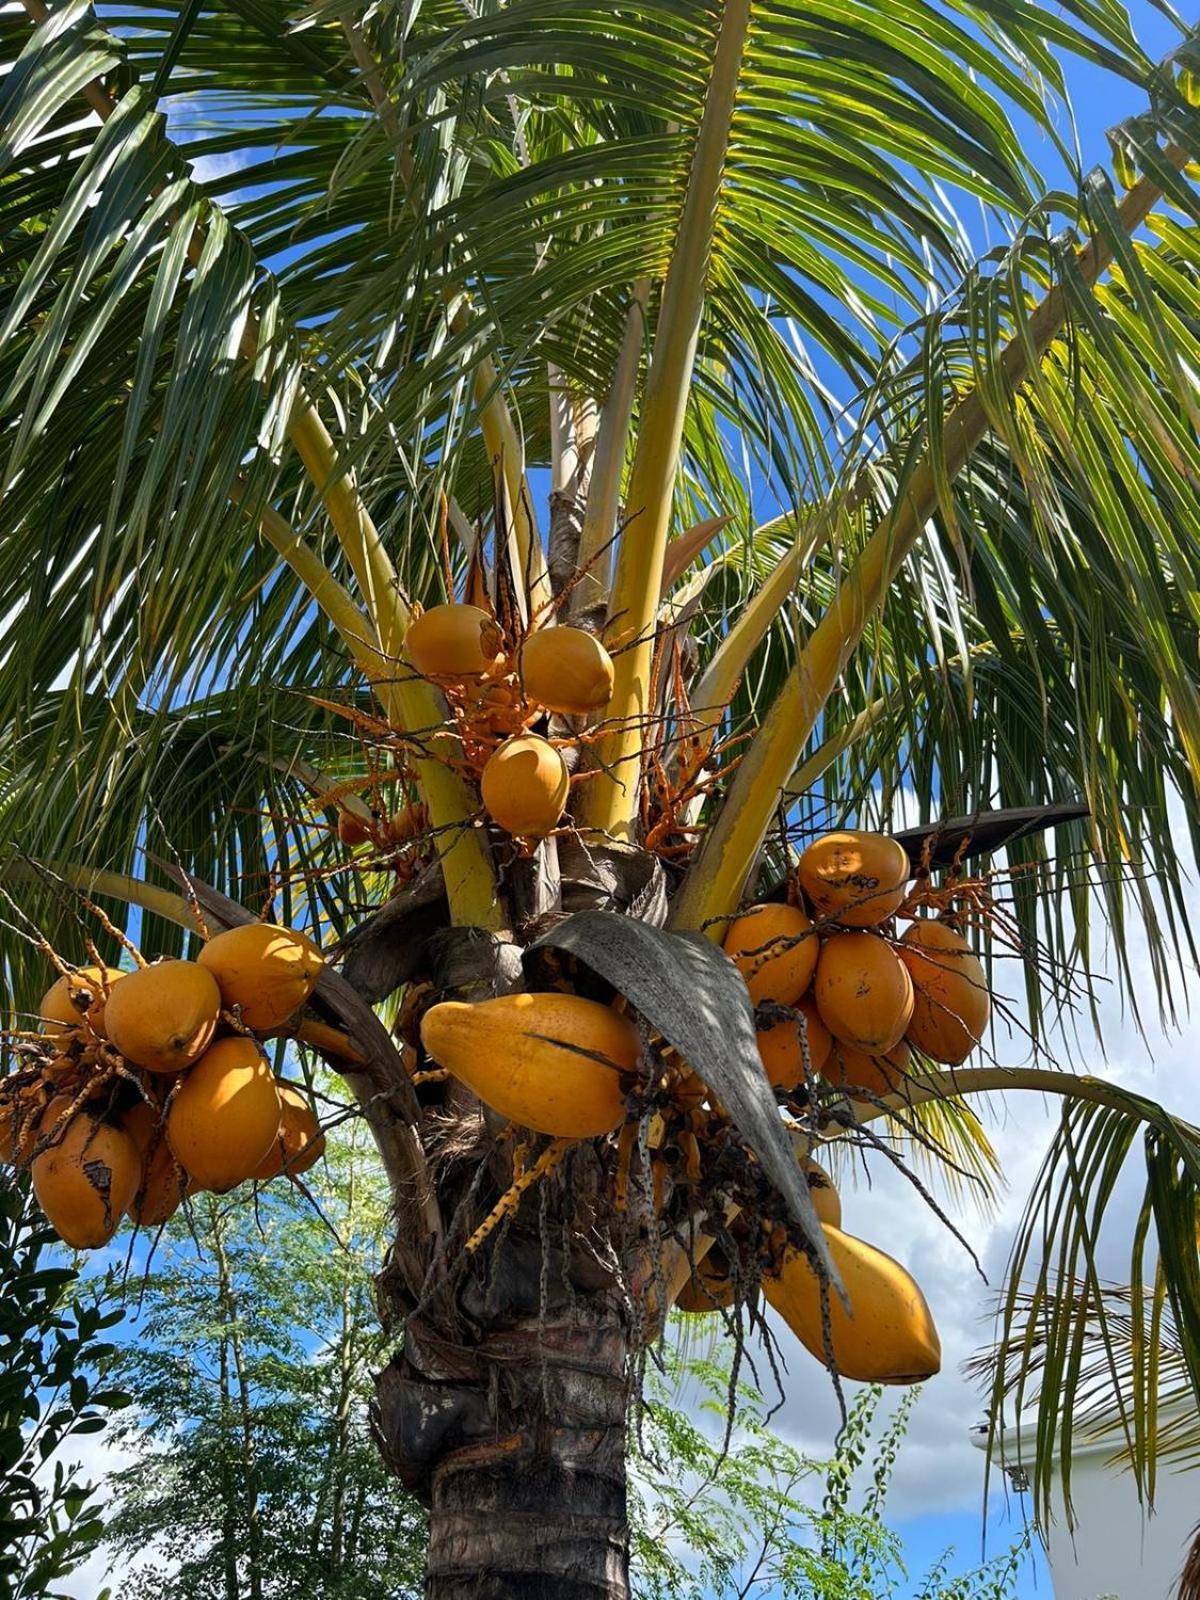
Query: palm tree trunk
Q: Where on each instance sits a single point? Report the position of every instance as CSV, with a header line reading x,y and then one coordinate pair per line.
x,y
523,1471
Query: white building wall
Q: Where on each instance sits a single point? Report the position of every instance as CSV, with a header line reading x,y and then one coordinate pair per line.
x,y
1116,1551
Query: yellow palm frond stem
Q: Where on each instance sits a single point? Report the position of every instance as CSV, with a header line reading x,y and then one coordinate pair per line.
x,y
610,800
612,440
359,538
92,881
961,1082
719,871
409,703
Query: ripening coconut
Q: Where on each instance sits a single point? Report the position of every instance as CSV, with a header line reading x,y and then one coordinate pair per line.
x,y
525,785
781,1050
555,1063
863,992
710,1286
889,1335
775,950
352,829
266,972
827,1203
78,995
566,670
453,643
162,1182
226,1115
860,1073
299,1144
86,1181
952,1005
856,878
163,1017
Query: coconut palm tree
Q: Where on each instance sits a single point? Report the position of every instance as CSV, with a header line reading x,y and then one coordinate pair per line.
x,y
660,322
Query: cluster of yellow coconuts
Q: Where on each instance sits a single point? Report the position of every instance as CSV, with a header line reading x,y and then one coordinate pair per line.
x,y
152,1084
862,998
524,780
841,994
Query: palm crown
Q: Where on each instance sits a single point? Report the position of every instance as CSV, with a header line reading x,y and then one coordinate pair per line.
x,y
653,318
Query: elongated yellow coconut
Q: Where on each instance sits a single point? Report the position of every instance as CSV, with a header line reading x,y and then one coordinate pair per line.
x,y
225,1116
67,1002
953,1006
781,1050
551,1062
826,1201
454,643
267,972
856,878
890,1336
863,992
874,1075
85,1182
299,1144
163,1017
775,950
525,785
566,670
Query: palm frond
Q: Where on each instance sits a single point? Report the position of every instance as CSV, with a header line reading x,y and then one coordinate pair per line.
x,y
1077,1356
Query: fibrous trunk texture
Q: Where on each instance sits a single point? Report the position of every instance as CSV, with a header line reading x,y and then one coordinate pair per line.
x,y
538,1510
523,1468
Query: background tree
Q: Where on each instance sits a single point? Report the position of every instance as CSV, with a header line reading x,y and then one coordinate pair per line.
x,y
56,1385
719,1518
252,1356
661,265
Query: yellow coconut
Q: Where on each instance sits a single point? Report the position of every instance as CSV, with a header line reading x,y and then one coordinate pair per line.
x,y
86,1181
299,1144
953,1006
781,1050
525,785
453,643
863,992
775,950
555,1063
889,1337
162,1182
265,971
826,1201
710,1287
856,878
225,1116
66,1002
873,1075
566,670
163,1017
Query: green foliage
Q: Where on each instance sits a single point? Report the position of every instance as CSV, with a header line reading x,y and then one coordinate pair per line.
x,y
54,1371
251,1361
760,1518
